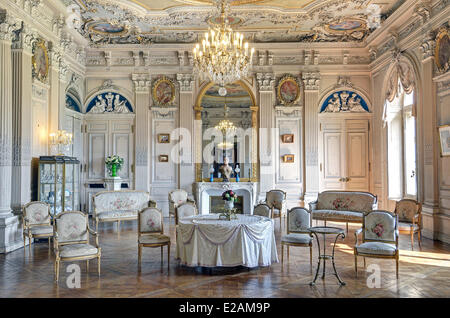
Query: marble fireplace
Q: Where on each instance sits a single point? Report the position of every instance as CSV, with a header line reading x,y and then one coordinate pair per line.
x,y
204,190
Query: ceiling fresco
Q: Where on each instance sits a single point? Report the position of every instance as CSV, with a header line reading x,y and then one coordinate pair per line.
x,y
106,22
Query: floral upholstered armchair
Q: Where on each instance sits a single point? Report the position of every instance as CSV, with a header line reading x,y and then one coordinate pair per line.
x,y
176,198
276,200
379,237
263,209
409,214
299,221
71,240
184,210
151,233
36,219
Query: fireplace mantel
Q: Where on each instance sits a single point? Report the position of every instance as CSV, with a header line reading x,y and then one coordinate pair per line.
x,y
203,190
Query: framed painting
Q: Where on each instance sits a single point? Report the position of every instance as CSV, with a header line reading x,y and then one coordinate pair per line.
x,y
163,92
163,158
39,61
442,50
288,158
444,136
288,91
287,138
164,138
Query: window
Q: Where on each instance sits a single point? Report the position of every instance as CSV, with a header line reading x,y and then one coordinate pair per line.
x,y
401,129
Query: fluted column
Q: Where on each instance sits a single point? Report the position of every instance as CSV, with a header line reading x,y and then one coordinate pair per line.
x,y
22,119
430,142
9,224
312,84
186,166
266,83
142,131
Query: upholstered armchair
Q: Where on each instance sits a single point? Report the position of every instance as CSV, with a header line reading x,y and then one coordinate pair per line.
x,y
184,210
263,209
409,214
299,221
276,200
151,233
176,198
379,237
36,219
71,240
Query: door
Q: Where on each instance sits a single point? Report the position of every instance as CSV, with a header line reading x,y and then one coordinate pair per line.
x,y
344,154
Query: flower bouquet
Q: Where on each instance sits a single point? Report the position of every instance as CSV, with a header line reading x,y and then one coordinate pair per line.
x,y
229,197
113,163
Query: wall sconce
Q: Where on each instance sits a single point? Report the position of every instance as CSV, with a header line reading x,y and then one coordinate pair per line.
x,y
60,141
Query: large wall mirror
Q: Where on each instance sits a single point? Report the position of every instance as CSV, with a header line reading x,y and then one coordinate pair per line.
x,y
229,131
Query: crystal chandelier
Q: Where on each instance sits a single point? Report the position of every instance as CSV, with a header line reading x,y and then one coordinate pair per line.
x,y
222,57
227,128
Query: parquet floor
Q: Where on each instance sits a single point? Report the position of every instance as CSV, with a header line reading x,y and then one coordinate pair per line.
x,y
423,273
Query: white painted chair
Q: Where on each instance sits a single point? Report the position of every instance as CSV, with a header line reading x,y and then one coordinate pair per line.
x,y
36,220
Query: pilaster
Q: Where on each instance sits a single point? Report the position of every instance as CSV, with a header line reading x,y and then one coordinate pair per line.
x,y
142,132
311,82
266,82
186,165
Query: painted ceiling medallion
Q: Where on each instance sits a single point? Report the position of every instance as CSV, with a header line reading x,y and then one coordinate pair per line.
x,y
288,90
106,28
347,25
442,50
39,61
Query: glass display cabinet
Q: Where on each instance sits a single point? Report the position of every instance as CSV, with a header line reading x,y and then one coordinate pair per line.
x,y
59,183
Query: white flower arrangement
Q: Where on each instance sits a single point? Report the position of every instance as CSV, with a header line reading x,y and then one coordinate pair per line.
x,y
114,160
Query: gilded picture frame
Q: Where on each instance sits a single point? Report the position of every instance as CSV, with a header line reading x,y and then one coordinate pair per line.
x,y
288,90
442,50
287,138
39,61
163,158
288,158
163,92
444,140
164,138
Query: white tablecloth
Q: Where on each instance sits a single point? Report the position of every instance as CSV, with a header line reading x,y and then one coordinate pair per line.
x,y
204,240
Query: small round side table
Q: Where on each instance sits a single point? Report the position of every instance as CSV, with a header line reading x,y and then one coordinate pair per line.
x,y
326,230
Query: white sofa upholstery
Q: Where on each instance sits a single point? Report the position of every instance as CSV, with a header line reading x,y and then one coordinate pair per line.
x,y
114,206
343,206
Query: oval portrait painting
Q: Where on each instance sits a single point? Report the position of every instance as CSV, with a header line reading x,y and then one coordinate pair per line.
x,y
288,91
40,61
163,91
442,53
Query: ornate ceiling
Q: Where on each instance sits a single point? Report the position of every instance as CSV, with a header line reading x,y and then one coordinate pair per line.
x,y
106,22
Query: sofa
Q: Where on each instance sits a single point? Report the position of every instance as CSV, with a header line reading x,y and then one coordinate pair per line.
x,y
115,206
342,206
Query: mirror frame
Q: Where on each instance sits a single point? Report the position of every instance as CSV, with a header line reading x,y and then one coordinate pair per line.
x,y
199,136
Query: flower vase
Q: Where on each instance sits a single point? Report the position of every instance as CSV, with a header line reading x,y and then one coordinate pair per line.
x,y
229,205
113,170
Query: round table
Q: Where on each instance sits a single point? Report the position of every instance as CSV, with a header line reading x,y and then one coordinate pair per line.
x,y
207,241
326,230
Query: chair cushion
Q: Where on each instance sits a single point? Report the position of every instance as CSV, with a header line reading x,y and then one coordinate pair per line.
x,y
404,226
296,238
75,250
117,214
154,239
40,230
377,248
335,214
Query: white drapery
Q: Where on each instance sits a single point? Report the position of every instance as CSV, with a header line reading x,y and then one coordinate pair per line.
x,y
207,241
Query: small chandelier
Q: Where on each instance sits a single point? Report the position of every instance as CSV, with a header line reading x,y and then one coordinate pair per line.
x,y
61,140
227,128
222,57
